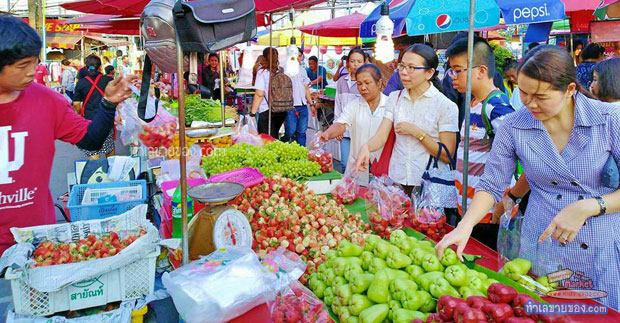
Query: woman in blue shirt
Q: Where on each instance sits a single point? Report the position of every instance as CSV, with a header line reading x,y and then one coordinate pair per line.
x,y
564,141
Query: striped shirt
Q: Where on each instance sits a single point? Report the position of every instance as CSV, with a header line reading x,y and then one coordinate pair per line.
x,y
497,107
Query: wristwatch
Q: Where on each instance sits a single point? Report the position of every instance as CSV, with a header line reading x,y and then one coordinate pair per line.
x,y
422,137
514,198
108,105
601,204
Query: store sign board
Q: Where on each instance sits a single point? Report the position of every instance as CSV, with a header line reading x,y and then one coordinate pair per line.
x,y
605,31
59,26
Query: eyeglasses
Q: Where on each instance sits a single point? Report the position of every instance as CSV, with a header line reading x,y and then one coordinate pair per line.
x,y
410,68
455,73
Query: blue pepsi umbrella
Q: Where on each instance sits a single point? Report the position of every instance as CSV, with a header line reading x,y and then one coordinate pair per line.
x,y
439,16
421,17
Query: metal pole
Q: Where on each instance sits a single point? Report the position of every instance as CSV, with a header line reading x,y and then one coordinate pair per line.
x,y
222,88
182,160
43,35
270,58
470,63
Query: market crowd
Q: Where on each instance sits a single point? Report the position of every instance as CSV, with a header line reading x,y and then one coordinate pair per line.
x,y
551,115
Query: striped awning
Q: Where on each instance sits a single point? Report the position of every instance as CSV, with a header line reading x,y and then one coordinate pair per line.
x,y
64,41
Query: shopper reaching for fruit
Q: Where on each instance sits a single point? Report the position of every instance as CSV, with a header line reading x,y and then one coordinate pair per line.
x,y
363,115
567,144
421,116
32,117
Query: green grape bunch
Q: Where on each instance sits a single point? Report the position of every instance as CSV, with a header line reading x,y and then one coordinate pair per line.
x,y
287,159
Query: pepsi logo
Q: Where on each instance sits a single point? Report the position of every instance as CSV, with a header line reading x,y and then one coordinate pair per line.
x,y
443,21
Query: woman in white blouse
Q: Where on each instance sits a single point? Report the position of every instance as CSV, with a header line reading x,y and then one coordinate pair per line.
x,y
346,91
361,116
421,116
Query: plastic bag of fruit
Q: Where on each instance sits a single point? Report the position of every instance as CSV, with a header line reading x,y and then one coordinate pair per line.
x,y
319,155
346,190
298,304
159,132
71,252
247,132
427,216
390,200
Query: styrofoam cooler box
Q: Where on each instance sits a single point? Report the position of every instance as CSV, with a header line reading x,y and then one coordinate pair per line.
x,y
126,283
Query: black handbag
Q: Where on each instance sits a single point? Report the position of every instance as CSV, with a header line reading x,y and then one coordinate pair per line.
x,y
212,25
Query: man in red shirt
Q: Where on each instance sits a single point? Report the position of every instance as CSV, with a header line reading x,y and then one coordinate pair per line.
x,y
41,75
32,117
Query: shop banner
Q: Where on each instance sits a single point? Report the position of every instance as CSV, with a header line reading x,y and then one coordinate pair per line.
x,y
606,31
527,12
59,26
432,16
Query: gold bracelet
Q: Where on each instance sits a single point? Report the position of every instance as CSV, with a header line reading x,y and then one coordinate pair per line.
x,y
422,137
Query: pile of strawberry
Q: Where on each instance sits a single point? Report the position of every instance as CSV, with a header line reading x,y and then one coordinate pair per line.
x,y
48,253
430,222
285,213
299,306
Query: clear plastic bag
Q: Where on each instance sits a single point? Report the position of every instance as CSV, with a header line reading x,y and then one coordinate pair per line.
x,y
346,190
219,287
391,205
509,251
283,266
159,132
247,132
298,304
428,215
319,155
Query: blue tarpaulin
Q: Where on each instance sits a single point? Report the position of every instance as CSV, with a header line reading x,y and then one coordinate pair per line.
x,y
538,32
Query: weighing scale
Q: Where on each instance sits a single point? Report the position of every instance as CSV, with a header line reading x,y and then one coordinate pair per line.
x,y
217,225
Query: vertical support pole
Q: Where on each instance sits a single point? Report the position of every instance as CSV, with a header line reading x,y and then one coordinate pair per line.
x,y
470,63
183,153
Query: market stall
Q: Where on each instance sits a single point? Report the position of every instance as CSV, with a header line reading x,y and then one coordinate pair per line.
x,y
243,228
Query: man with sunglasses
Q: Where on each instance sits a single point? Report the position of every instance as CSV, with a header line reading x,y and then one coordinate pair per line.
x,y
488,107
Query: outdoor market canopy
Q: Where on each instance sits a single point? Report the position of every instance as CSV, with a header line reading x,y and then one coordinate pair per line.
x,y
345,26
131,7
283,38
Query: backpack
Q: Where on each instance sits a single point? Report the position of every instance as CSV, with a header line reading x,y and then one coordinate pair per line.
x,y
280,92
212,25
489,133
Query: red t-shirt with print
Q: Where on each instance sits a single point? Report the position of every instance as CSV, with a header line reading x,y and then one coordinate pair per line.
x,y
28,128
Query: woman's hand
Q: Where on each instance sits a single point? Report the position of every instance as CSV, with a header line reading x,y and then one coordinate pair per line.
x,y
459,237
566,224
407,128
324,137
500,208
363,157
118,90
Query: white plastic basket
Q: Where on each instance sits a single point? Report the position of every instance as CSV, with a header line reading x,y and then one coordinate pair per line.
x,y
126,283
